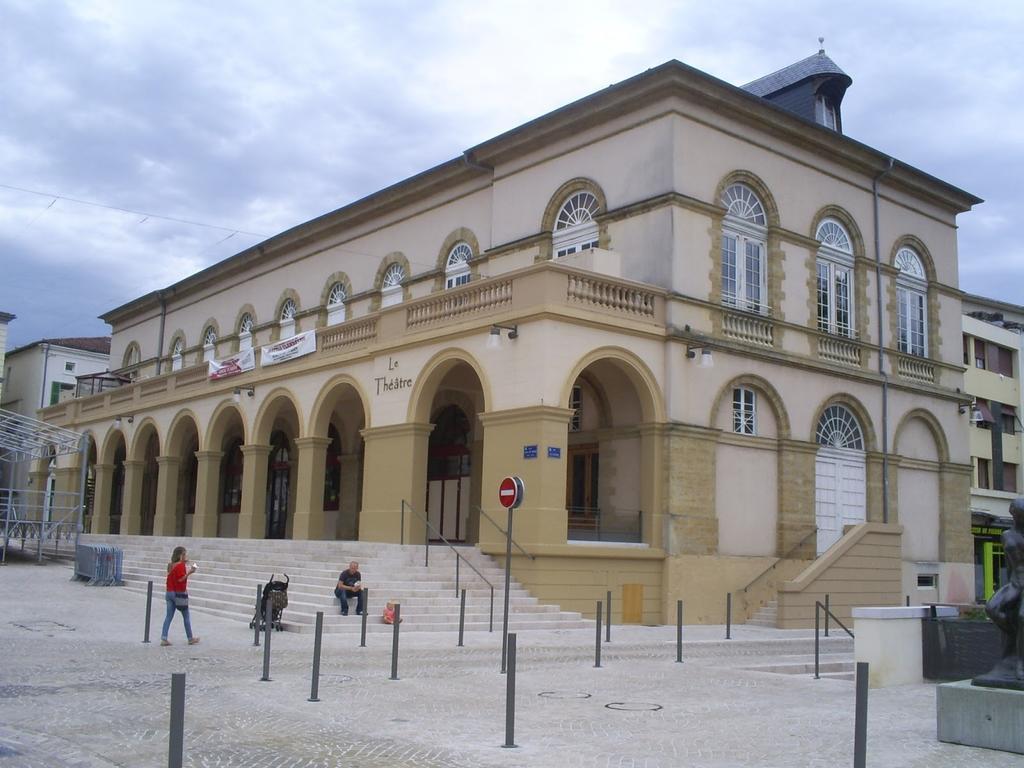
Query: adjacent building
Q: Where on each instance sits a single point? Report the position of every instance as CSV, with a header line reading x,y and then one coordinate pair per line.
x,y
718,340
5,318
992,355
39,375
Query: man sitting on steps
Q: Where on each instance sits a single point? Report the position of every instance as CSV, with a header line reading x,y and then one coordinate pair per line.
x,y
350,582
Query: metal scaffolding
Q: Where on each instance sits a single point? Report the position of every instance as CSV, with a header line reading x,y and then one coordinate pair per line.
x,y
40,514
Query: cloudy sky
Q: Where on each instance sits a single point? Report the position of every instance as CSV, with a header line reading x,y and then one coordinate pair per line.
x,y
140,142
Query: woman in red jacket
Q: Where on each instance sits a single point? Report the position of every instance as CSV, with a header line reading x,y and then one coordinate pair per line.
x,y
178,571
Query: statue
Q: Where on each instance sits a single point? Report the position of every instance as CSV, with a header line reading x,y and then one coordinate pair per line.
x,y
1006,609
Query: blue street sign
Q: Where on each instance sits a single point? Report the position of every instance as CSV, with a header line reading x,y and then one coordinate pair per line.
x,y
529,451
554,452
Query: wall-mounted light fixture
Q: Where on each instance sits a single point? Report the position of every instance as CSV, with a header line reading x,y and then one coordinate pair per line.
x,y
976,415
705,360
494,339
117,420
237,394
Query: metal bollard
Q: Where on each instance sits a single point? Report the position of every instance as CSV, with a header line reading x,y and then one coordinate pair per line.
x,y
817,620
462,616
268,626
860,728
728,615
608,619
826,613
510,692
394,642
149,610
315,686
908,601
256,621
679,631
366,610
597,646
176,739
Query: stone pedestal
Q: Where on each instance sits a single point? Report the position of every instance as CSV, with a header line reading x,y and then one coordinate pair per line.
x,y
992,718
888,638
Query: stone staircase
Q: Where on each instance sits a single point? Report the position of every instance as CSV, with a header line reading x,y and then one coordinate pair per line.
x,y
231,569
767,615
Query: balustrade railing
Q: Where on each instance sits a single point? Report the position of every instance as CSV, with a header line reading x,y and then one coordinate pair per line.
x,y
347,335
839,350
915,368
485,295
606,294
748,328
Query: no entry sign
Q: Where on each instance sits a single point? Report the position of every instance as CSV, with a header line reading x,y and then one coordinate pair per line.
x,y
511,491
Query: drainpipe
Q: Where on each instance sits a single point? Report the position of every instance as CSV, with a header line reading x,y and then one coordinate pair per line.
x,y
46,363
881,347
160,333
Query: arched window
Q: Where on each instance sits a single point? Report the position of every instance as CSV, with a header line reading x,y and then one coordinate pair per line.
x,y
177,352
287,318
834,279
838,428
209,343
336,304
912,307
575,228
456,268
391,285
744,235
245,326
132,355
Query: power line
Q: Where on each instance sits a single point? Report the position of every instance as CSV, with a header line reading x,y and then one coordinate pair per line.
x,y
131,211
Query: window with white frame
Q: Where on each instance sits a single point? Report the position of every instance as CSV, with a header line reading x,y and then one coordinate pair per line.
x,y
575,228
209,343
133,355
834,279
177,351
826,113
838,428
743,250
911,301
287,318
245,326
456,267
744,411
391,285
336,304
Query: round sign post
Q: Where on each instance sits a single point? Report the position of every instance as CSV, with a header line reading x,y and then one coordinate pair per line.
x,y
511,491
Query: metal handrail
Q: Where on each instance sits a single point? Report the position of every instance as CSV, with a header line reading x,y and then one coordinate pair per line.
x,y
778,560
818,608
458,555
597,514
504,533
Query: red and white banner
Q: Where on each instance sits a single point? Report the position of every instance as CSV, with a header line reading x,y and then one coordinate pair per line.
x,y
289,349
232,366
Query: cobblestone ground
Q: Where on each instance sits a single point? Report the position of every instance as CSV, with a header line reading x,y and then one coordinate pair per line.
x,y
78,688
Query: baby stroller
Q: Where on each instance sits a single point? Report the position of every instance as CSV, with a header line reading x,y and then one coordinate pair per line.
x,y
276,594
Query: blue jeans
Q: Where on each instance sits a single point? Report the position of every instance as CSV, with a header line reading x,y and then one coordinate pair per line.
x,y
343,595
169,597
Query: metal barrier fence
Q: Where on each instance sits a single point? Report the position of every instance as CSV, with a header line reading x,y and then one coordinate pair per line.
x,y
98,564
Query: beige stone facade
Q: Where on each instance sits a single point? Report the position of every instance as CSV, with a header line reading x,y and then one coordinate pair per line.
x,y
647,471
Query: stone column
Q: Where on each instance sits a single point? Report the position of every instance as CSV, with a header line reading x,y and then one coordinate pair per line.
x,y
308,520
541,520
652,499
101,498
874,488
166,495
204,521
131,502
395,470
796,524
690,478
956,544
348,503
253,514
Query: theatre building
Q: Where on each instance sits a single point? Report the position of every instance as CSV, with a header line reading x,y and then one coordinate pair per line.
x,y
717,339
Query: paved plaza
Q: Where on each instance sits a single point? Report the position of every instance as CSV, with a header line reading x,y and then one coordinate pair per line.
x,y
79,689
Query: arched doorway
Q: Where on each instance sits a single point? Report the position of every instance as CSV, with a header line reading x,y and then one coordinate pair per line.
x,y
90,486
225,434
150,471
332,472
278,486
117,486
449,474
185,507
840,498
339,415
